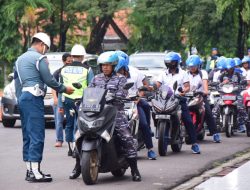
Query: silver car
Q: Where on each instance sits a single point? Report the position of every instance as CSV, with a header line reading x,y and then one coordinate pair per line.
x,y
149,63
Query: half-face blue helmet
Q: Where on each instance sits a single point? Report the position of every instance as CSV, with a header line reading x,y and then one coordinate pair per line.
x,y
122,64
122,54
172,56
246,59
220,63
193,61
109,57
229,64
237,61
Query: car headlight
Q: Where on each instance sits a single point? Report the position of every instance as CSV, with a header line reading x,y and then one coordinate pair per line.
x,y
227,88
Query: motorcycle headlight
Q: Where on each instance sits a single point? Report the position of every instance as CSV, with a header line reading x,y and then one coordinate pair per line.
x,y
99,122
227,88
164,94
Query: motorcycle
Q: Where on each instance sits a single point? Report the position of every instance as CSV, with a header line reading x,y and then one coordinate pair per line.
x,y
228,107
213,99
166,109
98,148
197,112
132,115
246,102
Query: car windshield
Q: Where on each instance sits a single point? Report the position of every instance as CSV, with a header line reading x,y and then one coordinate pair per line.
x,y
148,61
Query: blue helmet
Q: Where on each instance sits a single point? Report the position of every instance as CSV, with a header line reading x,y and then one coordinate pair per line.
x,y
221,62
193,61
229,63
109,57
122,64
122,54
172,56
237,61
246,59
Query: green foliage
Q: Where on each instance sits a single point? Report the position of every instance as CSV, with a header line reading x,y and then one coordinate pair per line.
x,y
157,25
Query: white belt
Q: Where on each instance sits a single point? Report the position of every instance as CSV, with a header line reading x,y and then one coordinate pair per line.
x,y
35,90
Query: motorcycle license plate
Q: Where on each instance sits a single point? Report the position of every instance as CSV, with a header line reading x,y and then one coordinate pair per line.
x,y
228,97
162,117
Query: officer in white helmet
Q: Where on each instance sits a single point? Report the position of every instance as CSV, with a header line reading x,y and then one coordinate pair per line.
x,y
31,77
76,72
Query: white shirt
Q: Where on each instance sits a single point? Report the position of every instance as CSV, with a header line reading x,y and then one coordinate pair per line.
x,y
248,75
244,72
136,77
166,78
216,76
196,81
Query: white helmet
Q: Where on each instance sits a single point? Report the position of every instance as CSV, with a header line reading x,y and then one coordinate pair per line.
x,y
43,37
78,50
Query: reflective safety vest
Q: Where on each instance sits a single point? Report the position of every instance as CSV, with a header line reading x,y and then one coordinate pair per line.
x,y
72,74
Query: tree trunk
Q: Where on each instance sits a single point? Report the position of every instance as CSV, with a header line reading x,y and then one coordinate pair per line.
x,y
241,37
97,35
61,31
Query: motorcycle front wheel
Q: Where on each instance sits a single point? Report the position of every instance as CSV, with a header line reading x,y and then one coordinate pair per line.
x,y
179,141
89,167
227,125
162,141
248,123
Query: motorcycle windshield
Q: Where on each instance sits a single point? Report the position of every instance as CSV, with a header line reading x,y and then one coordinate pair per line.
x,y
93,99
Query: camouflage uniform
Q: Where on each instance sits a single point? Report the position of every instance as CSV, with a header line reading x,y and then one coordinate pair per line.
x,y
115,85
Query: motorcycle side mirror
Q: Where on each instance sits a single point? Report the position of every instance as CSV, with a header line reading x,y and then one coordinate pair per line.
x,y
77,85
175,85
128,85
10,77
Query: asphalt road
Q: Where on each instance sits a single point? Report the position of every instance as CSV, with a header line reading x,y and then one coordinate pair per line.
x,y
162,173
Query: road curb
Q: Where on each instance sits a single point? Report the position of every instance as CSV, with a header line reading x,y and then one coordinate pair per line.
x,y
212,169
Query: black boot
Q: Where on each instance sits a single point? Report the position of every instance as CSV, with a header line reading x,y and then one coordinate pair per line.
x,y
35,175
136,176
77,169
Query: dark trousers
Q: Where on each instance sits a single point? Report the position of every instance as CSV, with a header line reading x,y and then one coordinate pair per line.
x,y
33,126
209,119
144,122
187,120
71,120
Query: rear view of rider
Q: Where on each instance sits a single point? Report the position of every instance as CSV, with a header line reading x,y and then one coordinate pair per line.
x,y
230,76
143,108
108,79
199,79
168,77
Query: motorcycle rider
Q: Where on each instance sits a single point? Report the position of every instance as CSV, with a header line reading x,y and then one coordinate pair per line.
x,y
229,75
238,63
199,79
173,74
143,108
245,66
108,79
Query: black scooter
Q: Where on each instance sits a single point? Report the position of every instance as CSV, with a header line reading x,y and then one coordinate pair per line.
x,y
98,148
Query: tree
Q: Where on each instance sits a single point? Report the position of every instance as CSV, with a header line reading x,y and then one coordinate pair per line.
x,y
241,10
206,29
157,25
99,16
